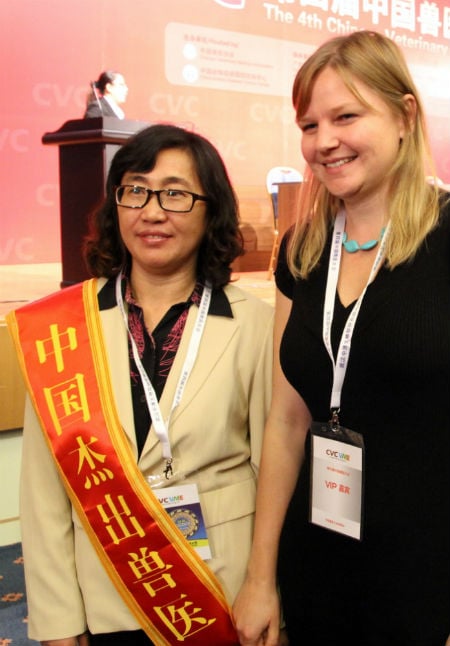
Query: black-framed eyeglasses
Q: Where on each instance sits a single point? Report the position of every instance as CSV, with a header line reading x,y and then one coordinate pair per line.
x,y
169,199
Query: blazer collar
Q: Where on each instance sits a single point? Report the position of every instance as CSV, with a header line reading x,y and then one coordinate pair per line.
x,y
220,305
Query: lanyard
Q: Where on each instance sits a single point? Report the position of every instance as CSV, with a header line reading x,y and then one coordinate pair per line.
x,y
160,425
340,365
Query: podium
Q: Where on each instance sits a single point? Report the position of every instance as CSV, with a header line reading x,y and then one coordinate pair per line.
x,y
86,149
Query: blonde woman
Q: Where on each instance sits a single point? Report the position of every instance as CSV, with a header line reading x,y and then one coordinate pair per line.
x,y
353,510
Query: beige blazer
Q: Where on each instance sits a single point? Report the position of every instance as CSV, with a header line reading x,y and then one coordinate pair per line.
x,y
216,435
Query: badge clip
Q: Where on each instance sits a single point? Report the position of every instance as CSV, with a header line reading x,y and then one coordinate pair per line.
x,y
168,471
334,421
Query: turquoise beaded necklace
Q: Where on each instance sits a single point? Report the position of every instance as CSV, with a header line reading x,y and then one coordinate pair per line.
x,y
352,246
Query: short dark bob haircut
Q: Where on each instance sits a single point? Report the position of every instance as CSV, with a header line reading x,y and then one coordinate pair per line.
x,y
104,251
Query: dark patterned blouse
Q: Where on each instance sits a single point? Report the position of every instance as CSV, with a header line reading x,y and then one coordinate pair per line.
x,y
157,353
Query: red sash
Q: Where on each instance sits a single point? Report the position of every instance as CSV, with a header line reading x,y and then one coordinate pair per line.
x,y
167,587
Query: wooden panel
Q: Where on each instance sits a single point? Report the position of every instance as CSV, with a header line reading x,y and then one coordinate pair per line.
x,y
12,389
255,207
256,213
288,194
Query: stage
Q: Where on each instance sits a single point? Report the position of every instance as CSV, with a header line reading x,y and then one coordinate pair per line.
x,y
20,284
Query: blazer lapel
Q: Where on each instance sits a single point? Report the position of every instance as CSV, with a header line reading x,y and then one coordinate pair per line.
x,y
217,335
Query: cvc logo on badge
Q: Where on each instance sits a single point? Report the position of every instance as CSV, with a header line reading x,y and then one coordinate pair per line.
x,y
231,4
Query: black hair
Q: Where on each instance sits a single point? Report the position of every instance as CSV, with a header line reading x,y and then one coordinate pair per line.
x,y
106,77
105,252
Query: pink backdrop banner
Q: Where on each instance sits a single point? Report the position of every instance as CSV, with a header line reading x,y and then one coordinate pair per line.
x,y
223,68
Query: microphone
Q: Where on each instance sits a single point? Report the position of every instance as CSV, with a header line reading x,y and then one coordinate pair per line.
x,y
94,89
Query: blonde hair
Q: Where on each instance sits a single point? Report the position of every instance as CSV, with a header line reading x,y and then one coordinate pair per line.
x,y
413,205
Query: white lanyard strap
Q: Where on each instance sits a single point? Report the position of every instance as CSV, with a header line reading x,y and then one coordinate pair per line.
x,y
162,427
340,365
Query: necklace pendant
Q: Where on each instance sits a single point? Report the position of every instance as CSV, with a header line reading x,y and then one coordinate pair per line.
x,y
351,246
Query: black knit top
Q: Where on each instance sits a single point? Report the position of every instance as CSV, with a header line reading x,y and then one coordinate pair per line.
x,y
395,584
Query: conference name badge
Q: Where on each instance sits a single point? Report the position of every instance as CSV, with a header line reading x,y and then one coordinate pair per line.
x,y
337,479
182,503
